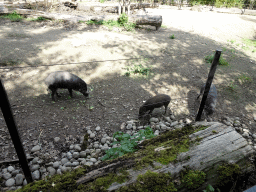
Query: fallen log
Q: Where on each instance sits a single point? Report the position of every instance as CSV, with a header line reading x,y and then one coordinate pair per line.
x,y
218,144
153,20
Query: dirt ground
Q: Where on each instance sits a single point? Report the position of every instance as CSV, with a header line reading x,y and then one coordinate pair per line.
x,y
100,56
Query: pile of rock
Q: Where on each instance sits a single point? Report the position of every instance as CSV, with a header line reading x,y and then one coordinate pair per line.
x,y
98,143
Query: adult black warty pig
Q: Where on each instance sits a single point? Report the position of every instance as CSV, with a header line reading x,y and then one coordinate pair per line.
x,y
65,80
154,102
211,100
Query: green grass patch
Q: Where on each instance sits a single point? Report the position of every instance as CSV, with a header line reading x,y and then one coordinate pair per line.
x,y
222,61
250,42
151,181
37,19
242,79
193,179
14,16
172,37
121,22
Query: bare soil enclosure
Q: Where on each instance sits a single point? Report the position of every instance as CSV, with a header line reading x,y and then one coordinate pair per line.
x,y
102,56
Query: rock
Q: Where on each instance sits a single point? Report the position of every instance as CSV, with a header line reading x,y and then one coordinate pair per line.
x,y
7,176
19,179
76,155
167,119
153,119
34,161
71,147
69,155
103,140
129,126
45,175
88,163
237,124
97,128
77,148
34,167
188,121
36,175
59,171
15,172
56,165
25,182
51,170
122,126
74,164
64,160
42,170
156,132
10,182
254,136
98,151
174,123
10,168
63,169
36,148
227,123
5,170
82,154
92,135
96,145
172,117
245,134
56,139
68,164
93,160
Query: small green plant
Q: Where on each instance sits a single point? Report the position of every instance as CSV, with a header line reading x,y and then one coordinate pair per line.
x,y
244,79
209,188
231,86
127,143
123,19
40,19
14,16
62,108
214,132
172,37
232,41
138,69
91,108
102,1
222,61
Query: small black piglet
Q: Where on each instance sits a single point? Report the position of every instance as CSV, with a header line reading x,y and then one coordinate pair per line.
x,y
65,80
155,102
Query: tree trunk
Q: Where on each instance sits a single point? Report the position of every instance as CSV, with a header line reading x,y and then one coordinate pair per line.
x,y
219,144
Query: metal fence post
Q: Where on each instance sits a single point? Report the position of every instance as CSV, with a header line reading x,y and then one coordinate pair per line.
x,y
208,83
10,122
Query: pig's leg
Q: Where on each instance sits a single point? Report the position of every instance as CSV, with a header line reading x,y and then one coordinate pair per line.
x,y
53,92
70,92
165,108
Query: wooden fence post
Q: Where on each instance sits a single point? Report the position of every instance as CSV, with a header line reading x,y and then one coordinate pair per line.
x,y
10,122
208,83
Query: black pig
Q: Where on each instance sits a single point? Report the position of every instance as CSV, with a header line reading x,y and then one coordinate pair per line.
x,y
65,80
211,100
155,102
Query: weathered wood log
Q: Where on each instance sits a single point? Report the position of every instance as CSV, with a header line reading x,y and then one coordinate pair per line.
x,y
220,144
153,20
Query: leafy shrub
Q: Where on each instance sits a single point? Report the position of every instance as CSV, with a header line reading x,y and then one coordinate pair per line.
x,y
127,143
